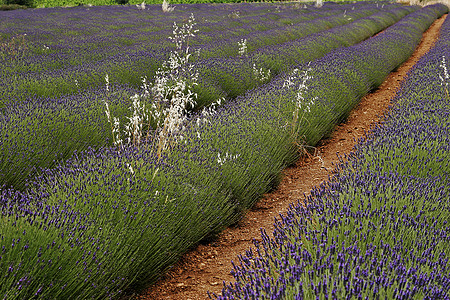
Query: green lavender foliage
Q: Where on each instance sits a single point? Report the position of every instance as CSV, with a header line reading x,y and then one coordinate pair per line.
x,y
110,217
379,227
54,130
64,57
63,111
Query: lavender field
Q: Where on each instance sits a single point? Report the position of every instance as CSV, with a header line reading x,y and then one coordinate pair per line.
x,y
129,135
73,76
379,229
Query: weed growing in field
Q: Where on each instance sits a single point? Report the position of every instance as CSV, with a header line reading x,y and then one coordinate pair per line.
x,y
114,122
107,82
172,90
166,7
235,14
301,102
260,74
207,113
242,47
446,76
168,99
141,6
135,123
228,157
181,36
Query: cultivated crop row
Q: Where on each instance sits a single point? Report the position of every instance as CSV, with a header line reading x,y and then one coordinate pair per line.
x,y
111,217
380,227
273,59
59,55
39,131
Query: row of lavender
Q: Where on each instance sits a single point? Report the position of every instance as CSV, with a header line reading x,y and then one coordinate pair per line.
x,y
318,40
379,229
112,217
86,71
61,54
41,131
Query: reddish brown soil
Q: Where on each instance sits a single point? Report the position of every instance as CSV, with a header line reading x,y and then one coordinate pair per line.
x,y
208,265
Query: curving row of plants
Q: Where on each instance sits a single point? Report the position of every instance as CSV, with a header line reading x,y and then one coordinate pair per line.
x,y
380,227
114,217
40,132
220,75
59,55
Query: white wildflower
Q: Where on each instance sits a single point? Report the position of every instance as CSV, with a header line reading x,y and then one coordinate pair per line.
x,y
260,74
145,86
302,88
173,90
302,103
108,112
134,128
141,6
131,168
116,132
445,78
107,82
166,7
168,99
443,65
288,82
242,47
208,112
228,157
235,14
182,35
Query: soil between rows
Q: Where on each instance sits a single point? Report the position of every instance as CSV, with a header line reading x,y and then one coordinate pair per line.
x,y
208,265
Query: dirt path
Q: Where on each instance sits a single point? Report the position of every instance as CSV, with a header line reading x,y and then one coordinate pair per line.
x,y
208,265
